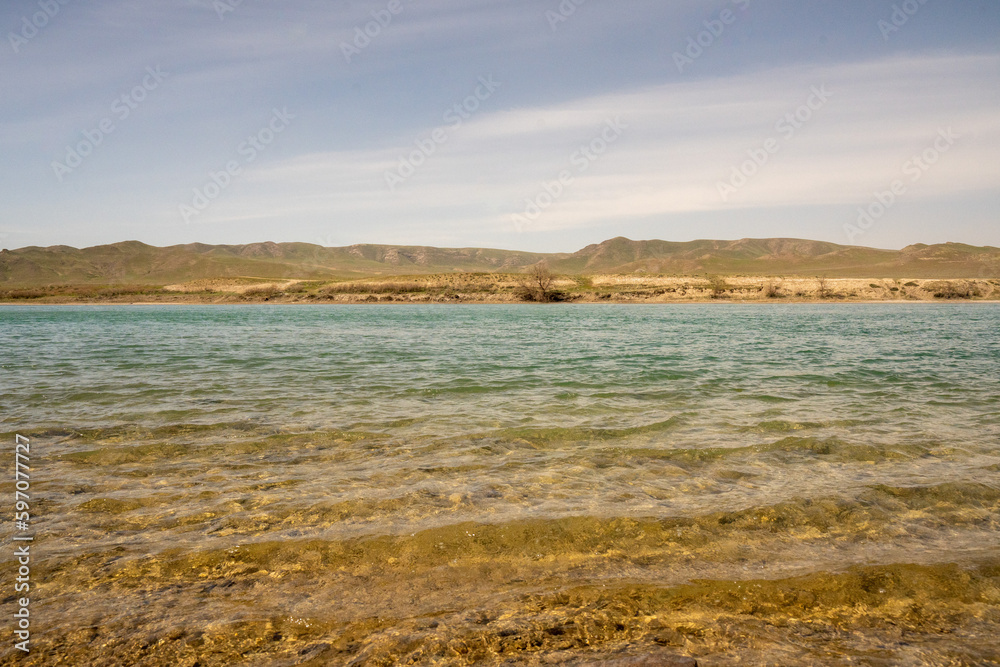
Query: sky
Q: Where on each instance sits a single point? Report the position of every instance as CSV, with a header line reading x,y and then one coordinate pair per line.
x,y
541,125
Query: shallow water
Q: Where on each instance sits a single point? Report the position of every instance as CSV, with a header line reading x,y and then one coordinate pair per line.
x,y
450,485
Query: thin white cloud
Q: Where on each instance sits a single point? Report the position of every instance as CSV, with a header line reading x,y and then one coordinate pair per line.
x,y
682,140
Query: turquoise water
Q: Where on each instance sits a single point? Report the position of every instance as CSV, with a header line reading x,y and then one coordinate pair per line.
x,y
207,429
720,370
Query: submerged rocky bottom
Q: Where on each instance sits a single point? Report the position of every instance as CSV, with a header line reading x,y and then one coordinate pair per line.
x,y
319,604
210,546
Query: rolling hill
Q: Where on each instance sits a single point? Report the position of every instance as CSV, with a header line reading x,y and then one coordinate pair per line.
x,y
132,262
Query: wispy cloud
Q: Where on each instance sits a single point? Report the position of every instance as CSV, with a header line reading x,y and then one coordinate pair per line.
x,y
684,137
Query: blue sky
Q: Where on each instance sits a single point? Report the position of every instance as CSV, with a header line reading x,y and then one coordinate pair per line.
x,y
543,125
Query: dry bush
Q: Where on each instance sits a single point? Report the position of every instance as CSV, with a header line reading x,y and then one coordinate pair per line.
x,y
23,294
376,288
823,291
261,293
945,289
536,284
79,291
772,290
718,286
125,290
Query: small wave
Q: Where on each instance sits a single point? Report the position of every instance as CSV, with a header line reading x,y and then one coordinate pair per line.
x,y
547,436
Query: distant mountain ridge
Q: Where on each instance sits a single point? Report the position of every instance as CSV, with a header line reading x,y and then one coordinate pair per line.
x,y
134,262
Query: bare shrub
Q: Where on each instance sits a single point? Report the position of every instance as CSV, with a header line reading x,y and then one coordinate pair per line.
x,y
719,287
261,293
945,289
376,288
536,284
23,294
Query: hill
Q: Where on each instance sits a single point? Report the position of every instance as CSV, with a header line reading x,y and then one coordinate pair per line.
x,y
135,263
